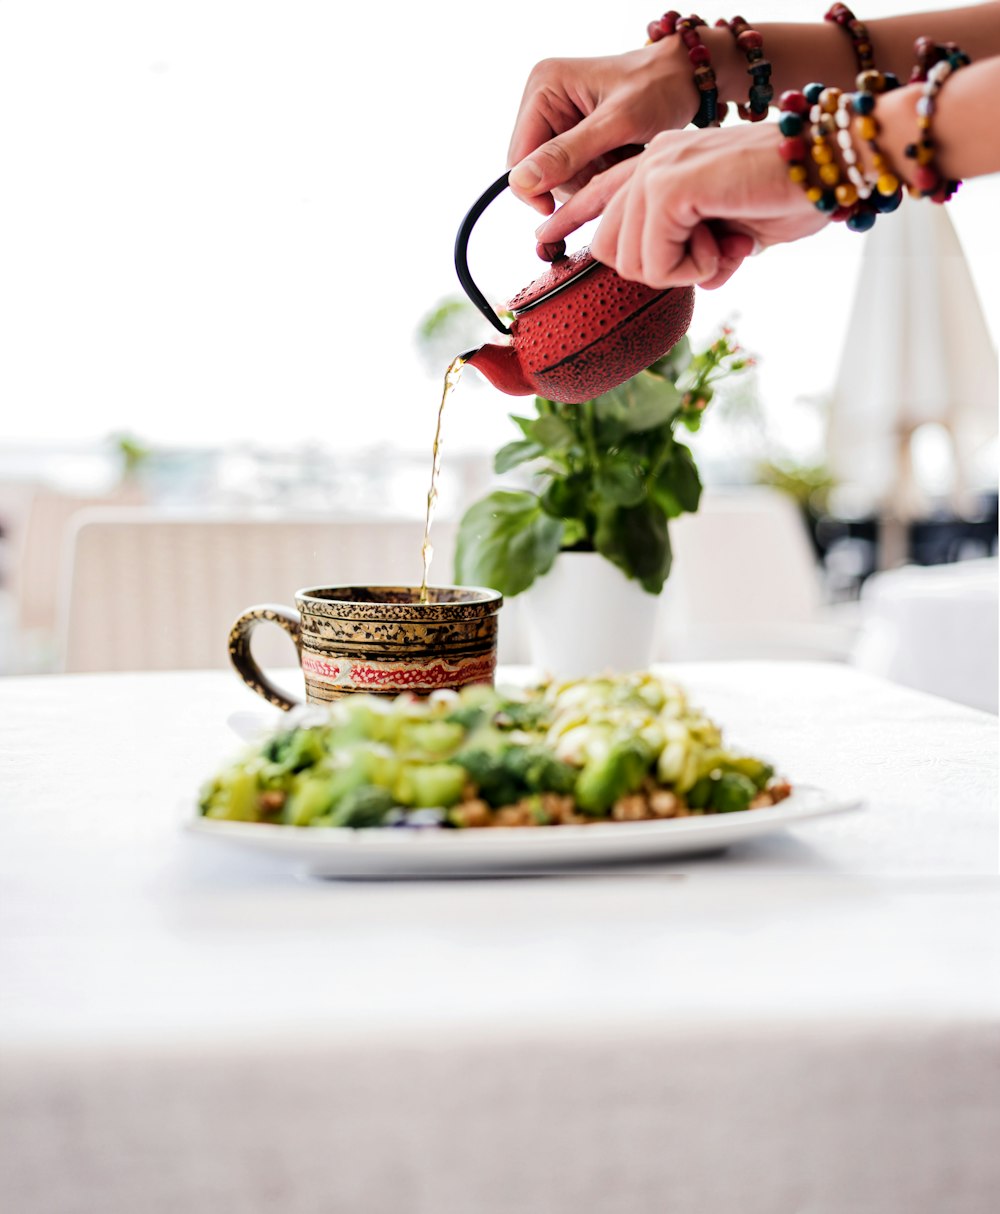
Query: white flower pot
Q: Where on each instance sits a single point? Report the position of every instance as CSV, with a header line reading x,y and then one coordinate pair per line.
x,y
585,617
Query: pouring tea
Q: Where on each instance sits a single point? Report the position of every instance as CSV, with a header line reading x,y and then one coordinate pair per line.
x,y
579,330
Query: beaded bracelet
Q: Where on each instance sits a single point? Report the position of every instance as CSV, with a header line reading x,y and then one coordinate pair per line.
x,y
832,196
855,201
794,108
934,65
885,192
840,14
882,193
751,42
710,112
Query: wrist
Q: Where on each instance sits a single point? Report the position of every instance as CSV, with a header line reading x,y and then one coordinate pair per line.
x,y
729,62
674,66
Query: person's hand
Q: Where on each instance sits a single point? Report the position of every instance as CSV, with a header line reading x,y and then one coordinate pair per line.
x,y
691,207
577,114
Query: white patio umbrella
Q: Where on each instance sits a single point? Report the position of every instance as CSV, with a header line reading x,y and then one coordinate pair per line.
x,y
917,350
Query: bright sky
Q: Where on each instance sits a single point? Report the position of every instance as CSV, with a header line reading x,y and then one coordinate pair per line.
x,y
223,219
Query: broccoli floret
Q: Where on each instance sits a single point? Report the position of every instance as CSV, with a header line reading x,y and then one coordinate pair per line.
x,y
755,770
732,792
469,716
487,770
537,770
602,782
362,807
520,714
294,751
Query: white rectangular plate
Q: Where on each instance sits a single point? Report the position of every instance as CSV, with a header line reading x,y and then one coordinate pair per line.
x,y
395,851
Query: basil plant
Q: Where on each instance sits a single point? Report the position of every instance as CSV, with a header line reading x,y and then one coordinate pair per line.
x,y
609,475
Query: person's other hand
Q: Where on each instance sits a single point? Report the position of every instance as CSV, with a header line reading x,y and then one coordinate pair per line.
x,y
578,116
691,207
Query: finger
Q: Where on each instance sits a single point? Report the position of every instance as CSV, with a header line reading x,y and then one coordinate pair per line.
x,y
734,248
560,159
662,240
628,261
703,252
604,245
670,262
586,204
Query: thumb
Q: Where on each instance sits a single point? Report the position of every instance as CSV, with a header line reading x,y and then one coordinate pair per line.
x,y
558,161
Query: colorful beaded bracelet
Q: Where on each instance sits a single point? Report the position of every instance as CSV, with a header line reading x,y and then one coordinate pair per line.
x,y
885,191
710,112
855,201
840,14
751,43
794,108
935,64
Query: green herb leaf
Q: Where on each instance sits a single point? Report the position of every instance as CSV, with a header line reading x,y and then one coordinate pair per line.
x,y
677,487
506,541
620,482
636,539
553,433
576,536
641,403
566,497
513,454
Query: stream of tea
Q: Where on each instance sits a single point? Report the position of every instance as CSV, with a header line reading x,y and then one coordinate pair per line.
x,y
451,378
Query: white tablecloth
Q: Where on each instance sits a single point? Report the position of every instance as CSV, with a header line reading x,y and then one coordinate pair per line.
x,y
808,1023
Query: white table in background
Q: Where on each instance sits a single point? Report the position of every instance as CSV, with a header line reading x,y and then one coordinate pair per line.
x,y
808,1023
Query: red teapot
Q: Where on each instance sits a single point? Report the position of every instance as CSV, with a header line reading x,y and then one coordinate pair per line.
x,y
579,330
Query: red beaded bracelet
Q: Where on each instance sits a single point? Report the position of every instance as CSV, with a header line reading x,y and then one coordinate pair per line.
x,y
710,112
841,15
751,43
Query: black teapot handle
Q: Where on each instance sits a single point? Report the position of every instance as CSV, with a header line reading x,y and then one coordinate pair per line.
x,y
462,251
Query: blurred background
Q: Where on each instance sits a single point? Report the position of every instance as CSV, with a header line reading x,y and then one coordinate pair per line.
x,y
226,309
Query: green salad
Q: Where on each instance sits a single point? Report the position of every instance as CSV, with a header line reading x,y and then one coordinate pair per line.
x,y
625,748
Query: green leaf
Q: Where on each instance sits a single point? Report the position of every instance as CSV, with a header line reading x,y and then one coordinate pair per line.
x,y
513,454
553,433
641,403
620,482
506,541
677,487
566,497
574,533
636,539
524,424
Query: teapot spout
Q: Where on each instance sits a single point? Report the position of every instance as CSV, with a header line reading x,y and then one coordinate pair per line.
x,y
502,367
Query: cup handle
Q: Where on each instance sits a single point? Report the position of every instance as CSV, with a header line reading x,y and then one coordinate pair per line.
x,y
242,658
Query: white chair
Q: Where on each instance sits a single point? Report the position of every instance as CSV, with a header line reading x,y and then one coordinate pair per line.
x,y
144,591
935,629
745,584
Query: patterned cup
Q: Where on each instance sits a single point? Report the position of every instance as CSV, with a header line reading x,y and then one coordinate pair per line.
x,y
380,640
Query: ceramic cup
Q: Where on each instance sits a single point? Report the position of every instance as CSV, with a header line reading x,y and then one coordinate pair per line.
x,y
379,640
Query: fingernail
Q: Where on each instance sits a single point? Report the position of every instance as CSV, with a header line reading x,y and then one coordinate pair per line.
x,y
526,175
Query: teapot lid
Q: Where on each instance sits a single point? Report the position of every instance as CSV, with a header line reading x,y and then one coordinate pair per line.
x,y
559,274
